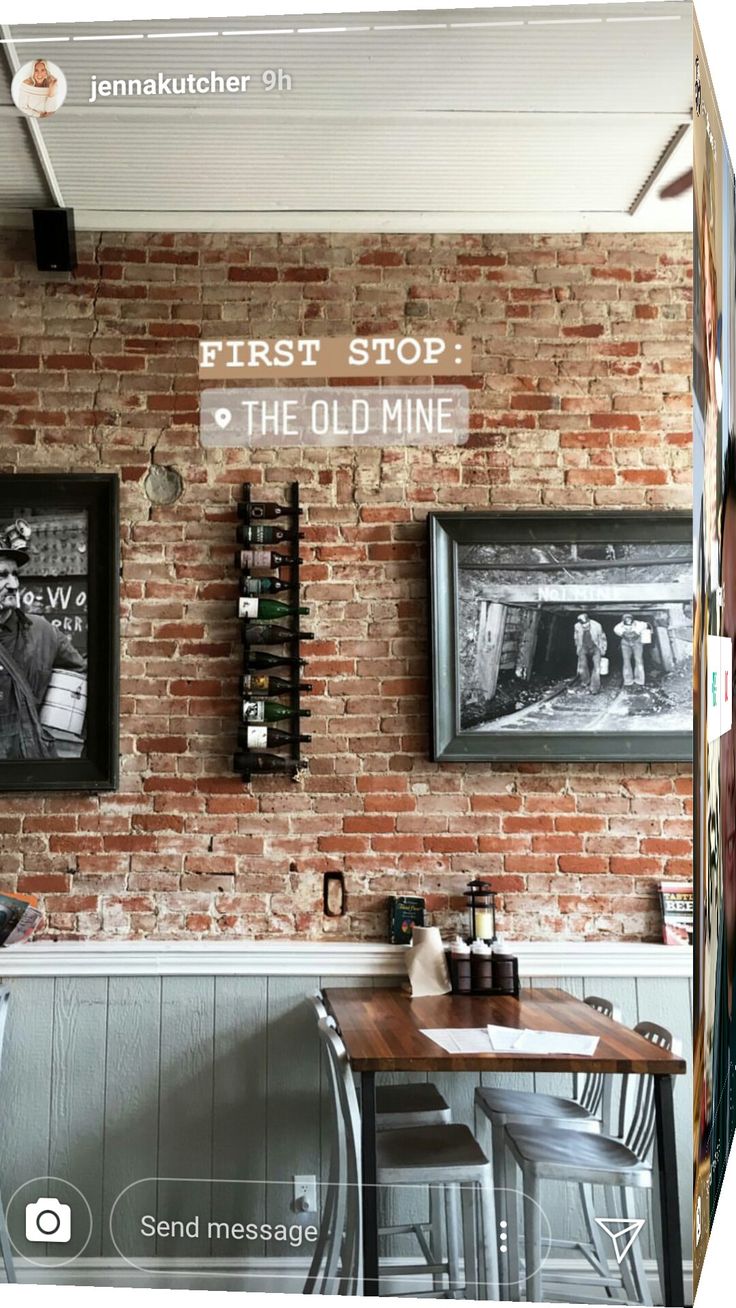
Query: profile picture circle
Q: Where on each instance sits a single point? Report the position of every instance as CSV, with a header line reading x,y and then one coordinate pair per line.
x,y
38,88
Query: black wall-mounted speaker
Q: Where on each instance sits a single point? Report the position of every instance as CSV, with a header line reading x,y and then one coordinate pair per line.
x,y
56,241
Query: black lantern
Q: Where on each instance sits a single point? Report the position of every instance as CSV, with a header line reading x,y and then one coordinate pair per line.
x,y
481,901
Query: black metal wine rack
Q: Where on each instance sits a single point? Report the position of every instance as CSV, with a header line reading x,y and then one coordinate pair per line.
x,y
294,671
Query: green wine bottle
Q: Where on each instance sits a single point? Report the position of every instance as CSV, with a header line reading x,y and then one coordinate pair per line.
x,y
259,534
259,660
260,684
263,585
264,559
263,737
265,710
250,606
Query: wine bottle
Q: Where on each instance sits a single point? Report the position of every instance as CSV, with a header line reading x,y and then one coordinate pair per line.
x,y
264,559
250,606
260,534
259,683
263,633
263,585
261,659
265,710
262,737
249,762
253,511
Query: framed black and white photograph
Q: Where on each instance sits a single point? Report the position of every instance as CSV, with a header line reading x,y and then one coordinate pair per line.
x,y
59,627
561,636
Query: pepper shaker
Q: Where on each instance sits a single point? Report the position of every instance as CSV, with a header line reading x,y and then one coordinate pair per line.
x,y
460,967
504,969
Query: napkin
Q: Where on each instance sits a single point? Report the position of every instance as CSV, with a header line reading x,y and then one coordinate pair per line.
x,y
426,963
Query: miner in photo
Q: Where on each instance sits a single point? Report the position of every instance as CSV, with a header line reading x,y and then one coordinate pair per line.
x,y
30,648
590,646
631,633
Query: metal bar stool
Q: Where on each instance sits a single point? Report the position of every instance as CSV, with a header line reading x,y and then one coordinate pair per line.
x,y
416,1104
501,1107
621,1163
446,1157
5,1248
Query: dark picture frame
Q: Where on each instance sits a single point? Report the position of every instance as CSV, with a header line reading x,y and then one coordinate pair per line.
x,y
539,535
93,500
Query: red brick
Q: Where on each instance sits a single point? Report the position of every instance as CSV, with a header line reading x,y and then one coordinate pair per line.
x,y
162,744
43,884
565,413
250,274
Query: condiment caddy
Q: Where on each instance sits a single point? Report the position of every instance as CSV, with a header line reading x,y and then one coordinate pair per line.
x,y
481,967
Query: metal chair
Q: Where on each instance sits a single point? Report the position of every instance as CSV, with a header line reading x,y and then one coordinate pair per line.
x,y
416,1104
620,1163
502,1107
445,1157
5,1248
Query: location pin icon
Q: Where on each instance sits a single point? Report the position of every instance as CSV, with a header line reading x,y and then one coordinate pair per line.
x,y
223,418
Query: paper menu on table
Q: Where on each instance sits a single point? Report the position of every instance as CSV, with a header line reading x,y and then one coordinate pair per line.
x,y
518,1040
503,1039
555,1042
509,1039
460,1040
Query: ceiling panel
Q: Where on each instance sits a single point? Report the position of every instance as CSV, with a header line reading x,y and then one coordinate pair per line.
x,y
22,183
432,162
548,113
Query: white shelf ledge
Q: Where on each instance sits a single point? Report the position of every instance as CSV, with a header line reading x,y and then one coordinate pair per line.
x,y
549,958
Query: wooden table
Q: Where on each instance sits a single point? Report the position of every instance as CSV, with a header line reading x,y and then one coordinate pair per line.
x,y
381,1029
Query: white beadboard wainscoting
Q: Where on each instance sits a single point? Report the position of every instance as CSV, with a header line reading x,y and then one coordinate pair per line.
x,y
183,1059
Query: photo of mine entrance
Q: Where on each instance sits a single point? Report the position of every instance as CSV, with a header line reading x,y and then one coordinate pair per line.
x,y
578,637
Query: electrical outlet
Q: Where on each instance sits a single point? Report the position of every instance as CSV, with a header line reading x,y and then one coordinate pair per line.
x,y
305,1194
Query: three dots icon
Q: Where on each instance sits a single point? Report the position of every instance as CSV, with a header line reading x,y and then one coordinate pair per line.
x,y
503,1237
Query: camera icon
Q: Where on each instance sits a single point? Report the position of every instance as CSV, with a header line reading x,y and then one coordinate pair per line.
x,y
48,1222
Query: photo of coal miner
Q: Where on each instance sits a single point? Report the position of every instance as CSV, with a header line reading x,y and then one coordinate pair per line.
x,y
590,646
634,635
43,663
579,637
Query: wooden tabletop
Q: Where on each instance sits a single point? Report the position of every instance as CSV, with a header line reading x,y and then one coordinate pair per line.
x,y
382,1033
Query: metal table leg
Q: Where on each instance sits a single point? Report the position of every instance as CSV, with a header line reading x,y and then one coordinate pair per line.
x,y
369,1189
669,1213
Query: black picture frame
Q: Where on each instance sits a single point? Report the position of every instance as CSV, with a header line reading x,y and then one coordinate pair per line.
x,y
97,496
448,531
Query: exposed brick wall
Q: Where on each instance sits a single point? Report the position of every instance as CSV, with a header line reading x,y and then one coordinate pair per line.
x,y
581,398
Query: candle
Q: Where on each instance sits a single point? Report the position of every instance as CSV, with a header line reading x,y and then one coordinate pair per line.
x,y
483,924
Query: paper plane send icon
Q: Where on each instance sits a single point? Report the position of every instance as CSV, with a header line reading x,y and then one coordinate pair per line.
x,y
623,1232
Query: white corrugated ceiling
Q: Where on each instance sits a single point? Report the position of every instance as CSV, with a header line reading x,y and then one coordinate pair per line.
x,y
522,119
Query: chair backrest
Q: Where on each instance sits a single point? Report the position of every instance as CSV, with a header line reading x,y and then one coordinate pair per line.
x,y
345,1098
4,1003
317,1000
346,1121
636,1106
589,1091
